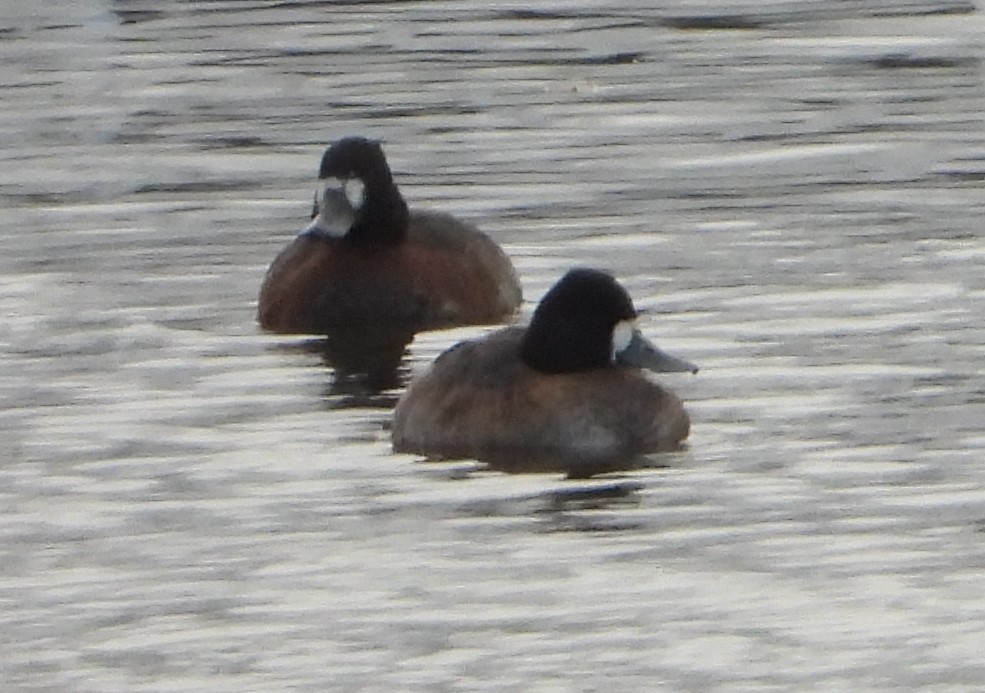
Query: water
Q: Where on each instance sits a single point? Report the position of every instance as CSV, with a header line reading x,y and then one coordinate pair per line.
x,y
791,190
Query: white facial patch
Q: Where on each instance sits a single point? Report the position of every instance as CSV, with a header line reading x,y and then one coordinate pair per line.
x,y
335,213
622,335
355,192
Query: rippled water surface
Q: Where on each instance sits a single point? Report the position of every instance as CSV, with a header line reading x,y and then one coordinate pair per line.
x,y
791,190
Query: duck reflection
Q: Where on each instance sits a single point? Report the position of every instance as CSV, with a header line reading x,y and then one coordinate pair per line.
x,y
366,367
572,467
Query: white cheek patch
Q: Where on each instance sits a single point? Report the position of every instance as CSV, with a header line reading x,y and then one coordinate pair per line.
x,y
622,335
355,192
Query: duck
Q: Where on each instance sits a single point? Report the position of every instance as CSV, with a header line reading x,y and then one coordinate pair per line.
x,y
367,262
569,387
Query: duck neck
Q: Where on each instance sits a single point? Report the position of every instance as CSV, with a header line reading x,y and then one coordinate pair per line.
x,y
560,346
383,216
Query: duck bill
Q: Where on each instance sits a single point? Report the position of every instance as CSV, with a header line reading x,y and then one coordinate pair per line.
x,y
334,215
643,353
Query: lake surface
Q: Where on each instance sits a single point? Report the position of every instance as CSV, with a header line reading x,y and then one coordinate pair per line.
x,y
792,191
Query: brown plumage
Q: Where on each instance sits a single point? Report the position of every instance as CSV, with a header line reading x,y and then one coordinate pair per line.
x,y
371,262
519,392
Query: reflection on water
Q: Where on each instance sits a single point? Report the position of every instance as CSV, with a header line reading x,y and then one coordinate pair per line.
x,y
792,193
361,366
529,463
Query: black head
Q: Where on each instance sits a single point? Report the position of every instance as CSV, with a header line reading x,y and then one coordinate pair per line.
x,y
358,198
572,327
355,157
585,322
